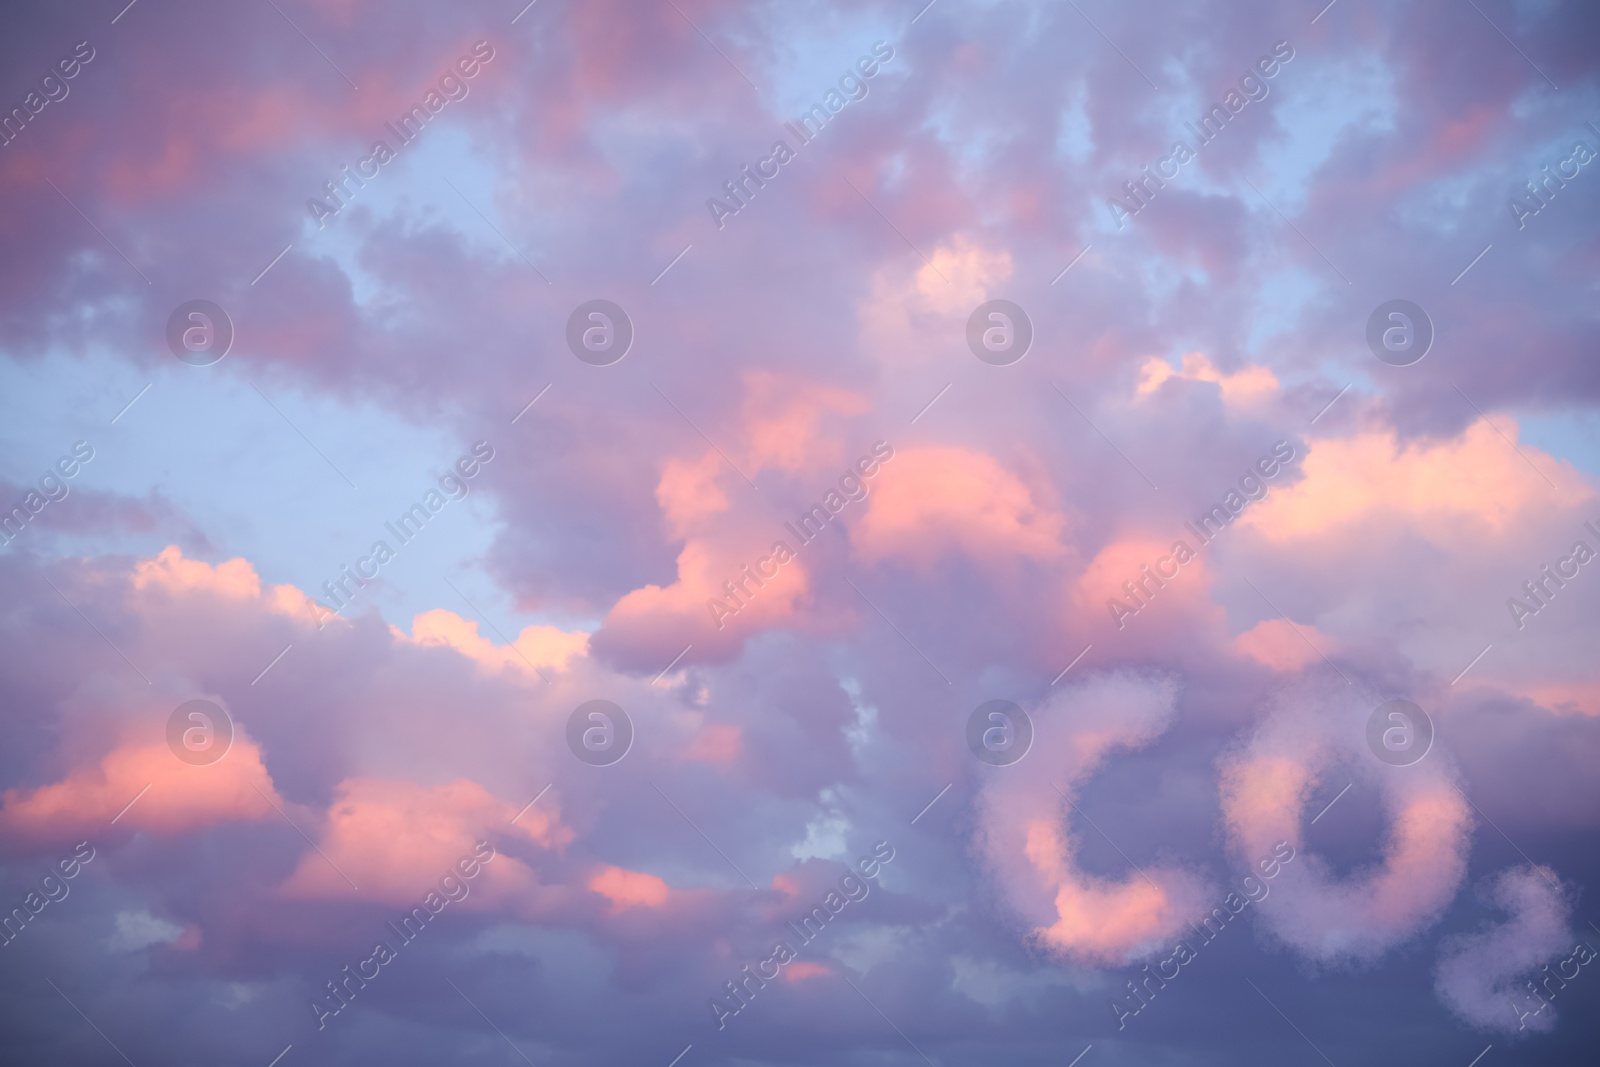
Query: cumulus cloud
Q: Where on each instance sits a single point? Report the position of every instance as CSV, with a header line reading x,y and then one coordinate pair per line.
x,y
160,794
1373,476
823,318
933,502
533,648
390,837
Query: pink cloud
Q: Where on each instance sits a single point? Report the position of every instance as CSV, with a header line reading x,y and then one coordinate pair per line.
x,y
627,889
1024,838
719,743
393,839
535,647
1314,737
1474,477
1283,646
650,625
173,797
783,417
931,502
235,579
1129,571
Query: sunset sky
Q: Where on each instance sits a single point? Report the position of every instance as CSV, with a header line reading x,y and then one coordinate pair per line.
x,y
1094,505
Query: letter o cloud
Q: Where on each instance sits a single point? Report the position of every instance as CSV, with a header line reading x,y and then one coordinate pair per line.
x,y
1266,787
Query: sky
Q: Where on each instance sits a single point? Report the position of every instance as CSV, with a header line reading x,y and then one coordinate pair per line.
x,y
685,532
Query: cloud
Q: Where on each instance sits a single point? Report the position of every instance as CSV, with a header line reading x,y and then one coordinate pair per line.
x,y
1315,734
630,889
167,796
534,647
1280,645
1023,839
649,626
1433,487
1248,387
392,839
820,320
1484,977
716,743
137,930
931,502
174,575
783,416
